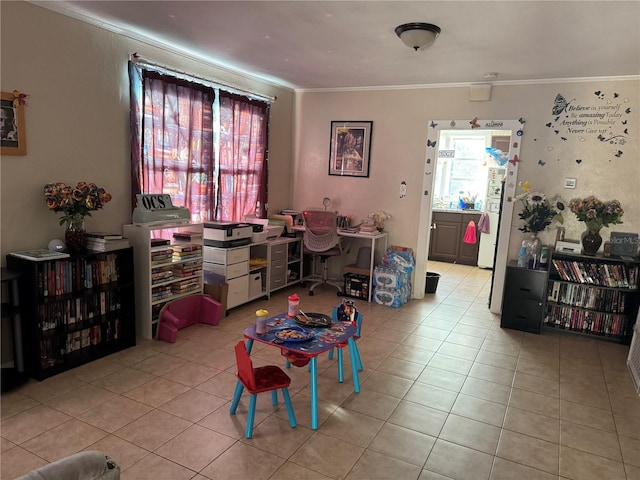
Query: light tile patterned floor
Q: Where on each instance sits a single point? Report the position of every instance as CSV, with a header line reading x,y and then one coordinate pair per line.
x,y
445,394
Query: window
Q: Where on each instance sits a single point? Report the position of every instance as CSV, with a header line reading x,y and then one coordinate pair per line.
x,y
204,146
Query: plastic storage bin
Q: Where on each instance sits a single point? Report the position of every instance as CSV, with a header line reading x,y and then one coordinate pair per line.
x,y
356,286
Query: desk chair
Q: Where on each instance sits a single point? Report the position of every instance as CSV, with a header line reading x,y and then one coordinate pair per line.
x,y
321,239
257,380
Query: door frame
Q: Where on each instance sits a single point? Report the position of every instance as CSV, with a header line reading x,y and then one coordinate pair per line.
x,y
424,224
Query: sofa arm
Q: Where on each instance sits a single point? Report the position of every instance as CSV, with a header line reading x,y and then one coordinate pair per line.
x,y
90,465
212,310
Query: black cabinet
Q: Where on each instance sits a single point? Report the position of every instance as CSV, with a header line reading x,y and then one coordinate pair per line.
x,y
447,234
523,301
75,310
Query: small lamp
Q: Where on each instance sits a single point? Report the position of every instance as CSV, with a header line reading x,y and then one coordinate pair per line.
x,y
418,35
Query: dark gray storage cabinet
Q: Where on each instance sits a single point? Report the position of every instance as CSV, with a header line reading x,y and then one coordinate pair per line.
x,y
523,300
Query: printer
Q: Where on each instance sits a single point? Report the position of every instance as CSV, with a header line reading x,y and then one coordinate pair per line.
x,y
227,234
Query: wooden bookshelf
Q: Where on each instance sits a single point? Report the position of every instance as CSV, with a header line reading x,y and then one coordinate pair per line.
x,y
76,309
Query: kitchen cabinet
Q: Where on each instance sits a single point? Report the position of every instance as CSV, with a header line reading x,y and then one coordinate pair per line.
x,y
447,233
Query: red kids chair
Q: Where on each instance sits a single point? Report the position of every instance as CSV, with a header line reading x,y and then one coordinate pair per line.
x,y
258,380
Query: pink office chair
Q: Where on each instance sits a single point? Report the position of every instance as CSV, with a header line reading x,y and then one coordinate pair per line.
x,y
269,378
186,311
321,239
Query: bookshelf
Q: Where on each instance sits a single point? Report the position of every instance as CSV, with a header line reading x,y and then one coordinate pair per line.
x,y
75,310
593,295
168,266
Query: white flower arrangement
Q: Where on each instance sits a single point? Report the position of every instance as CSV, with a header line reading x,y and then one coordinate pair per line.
x,y
379,218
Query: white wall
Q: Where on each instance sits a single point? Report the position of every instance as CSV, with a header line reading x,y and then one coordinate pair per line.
x,y
77,119
400,126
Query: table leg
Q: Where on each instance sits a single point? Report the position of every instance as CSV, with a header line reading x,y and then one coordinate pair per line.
x,y
354,366
314,393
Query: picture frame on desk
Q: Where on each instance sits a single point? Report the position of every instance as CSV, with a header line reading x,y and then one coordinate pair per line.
x,y
350,148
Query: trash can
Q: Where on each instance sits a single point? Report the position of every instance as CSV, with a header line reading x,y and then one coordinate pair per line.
x,y
432,282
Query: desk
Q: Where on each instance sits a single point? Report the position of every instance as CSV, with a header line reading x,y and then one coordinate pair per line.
x,y
325,339
373,239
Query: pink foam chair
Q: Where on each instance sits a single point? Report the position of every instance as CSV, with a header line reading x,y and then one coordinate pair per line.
x,y
186,311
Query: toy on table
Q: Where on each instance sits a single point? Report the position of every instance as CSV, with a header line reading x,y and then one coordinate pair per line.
x,y
347,311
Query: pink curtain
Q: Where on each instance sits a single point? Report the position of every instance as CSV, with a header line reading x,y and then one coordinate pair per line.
x,y
243,169
177,154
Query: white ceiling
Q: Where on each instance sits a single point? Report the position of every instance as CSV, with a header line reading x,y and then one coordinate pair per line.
x,y
344,44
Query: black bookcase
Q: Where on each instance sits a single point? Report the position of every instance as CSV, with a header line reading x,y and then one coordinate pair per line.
x,y
76,309
593,295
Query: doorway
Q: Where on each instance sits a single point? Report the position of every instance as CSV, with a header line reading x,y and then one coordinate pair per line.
x,y
504,128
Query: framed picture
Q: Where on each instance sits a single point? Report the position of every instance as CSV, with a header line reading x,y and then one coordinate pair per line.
x,y
13,140
350,148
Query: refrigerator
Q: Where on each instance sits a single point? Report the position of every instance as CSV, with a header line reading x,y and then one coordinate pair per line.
x,y
487,247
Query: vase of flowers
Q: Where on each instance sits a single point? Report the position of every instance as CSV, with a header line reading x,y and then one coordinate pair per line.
x,y
538,211
76,203
595,214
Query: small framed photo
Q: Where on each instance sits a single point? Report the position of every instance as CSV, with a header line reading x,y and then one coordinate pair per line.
x,y
569,183
13,139
350,148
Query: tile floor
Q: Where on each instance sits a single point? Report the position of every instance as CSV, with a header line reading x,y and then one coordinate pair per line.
x,y
445,394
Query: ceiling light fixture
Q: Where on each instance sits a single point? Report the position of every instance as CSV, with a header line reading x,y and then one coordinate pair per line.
x,y
418,35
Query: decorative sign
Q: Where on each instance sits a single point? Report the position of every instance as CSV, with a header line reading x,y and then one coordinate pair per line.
x,y
603,117
153,202
446,153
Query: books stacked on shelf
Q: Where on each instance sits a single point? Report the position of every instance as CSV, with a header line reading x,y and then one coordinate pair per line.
x,y
586,321
160,255
161,292
70,312
65,276
368,229
159,242
105,242
584,296
602,274
185,286
186,251
188,269
40,254
161,275
187,236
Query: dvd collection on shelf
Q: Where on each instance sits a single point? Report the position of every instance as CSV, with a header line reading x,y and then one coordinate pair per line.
x,y
583,296
604,274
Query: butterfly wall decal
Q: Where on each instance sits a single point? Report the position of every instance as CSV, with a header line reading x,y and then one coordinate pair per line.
x,y
430,143
514,160
615,95
599,94
474,123
618,153
521,120
541,163
560,104
548,124
564,139
433,124
624,122
627,111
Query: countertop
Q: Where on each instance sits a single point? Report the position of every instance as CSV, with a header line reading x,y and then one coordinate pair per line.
x,y
456,210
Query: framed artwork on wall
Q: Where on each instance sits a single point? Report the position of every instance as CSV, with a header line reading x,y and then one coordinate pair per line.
x,y
13,140
350,148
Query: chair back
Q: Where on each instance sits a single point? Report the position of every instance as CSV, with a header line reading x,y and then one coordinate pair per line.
x,y
245,366
321,230
334,316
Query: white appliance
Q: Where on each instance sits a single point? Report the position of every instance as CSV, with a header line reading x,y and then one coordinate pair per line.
x,y
487,246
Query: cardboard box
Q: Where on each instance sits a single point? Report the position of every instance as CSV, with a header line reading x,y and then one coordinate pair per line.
x,y
352,268
218,292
